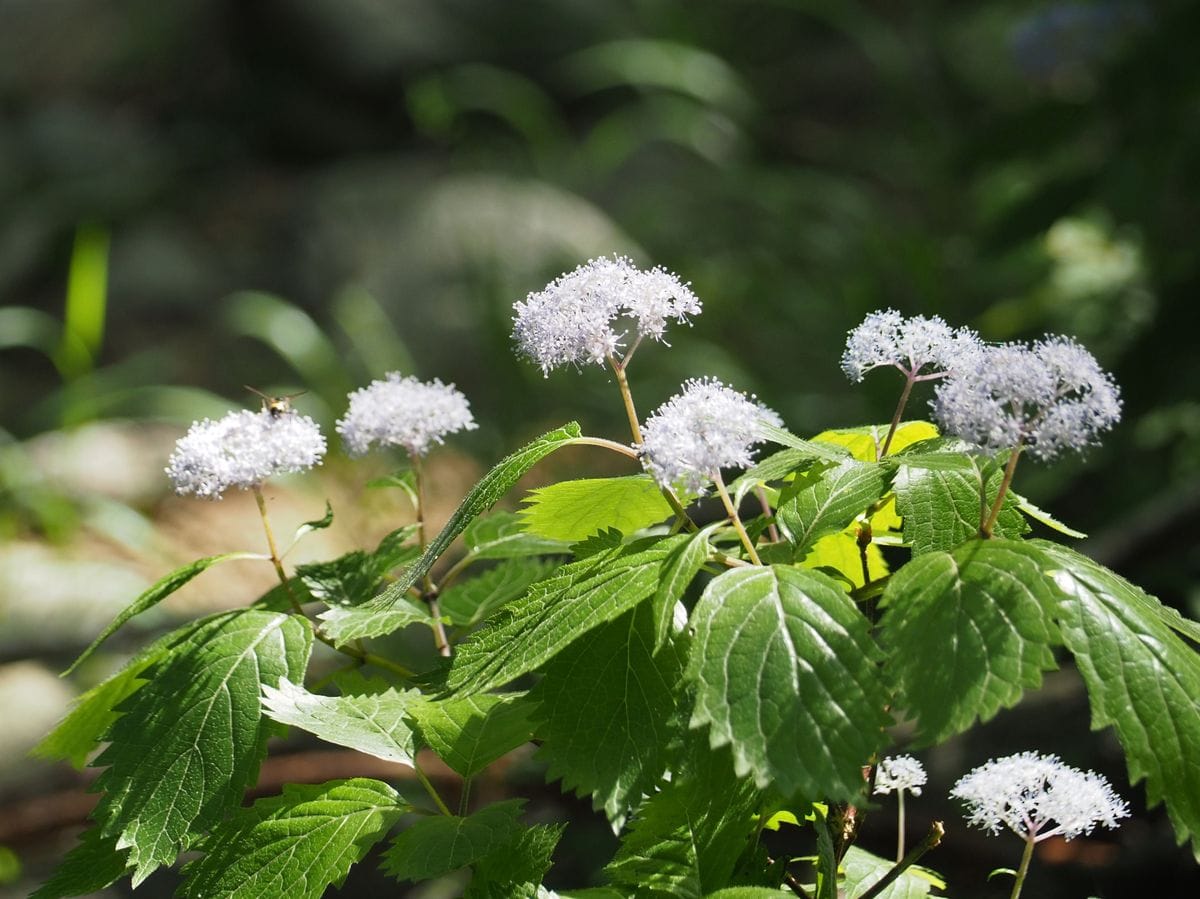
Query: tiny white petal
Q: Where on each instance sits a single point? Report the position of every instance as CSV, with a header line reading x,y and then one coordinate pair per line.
x,y
916,345
900,772
1050,396
576,318
705,428
242,450
405,412
1038,796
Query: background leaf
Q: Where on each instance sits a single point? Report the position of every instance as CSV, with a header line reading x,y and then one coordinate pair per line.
x,y
986,610
295,845
785,673
88,868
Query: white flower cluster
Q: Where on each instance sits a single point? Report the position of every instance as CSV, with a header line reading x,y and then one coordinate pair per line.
x,y
910,344
573,320
1050,396
242,450
900,772
705,428
1028,792
405,412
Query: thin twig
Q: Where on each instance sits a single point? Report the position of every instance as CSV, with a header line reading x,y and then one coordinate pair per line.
x,y
733,517
936,832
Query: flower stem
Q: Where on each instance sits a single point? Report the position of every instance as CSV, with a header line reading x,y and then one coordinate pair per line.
x,y
429,592
1026,858
985,529
360,655
627,397
733,517
936,832
909,380
900,826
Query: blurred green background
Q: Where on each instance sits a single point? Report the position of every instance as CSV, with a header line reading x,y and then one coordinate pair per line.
x,y
304,194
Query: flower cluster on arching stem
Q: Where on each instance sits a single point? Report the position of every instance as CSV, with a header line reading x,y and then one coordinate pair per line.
x,y
404,412
576,318
701,430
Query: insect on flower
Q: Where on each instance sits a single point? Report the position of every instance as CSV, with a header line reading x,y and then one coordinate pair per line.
x,y
276,405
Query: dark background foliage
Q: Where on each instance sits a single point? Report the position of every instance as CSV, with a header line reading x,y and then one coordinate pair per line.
x,y
302,195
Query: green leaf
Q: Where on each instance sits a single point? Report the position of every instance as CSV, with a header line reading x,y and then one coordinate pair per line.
x,y
353,578
469,602
815,450
574,510
470,732
826,499
686,838
295,845
826,863
399,615
746,893
438,845
679,569
557,611
516,869
373,723
1141,678
501,535
372,619
862,442
785,673
1043,517
941,506
605,712
774,467
190,741
318,524
159,591
91,866
985,612
862,870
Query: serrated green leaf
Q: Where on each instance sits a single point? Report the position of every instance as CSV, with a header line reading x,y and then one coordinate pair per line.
x,y
399,615
840,553
826,499
679,569
861,870
156,593
605,712
515,870
784,669
686,838
92,865
862,442
438,845
986,611
354,577
373,723
574,510
189,742
295,845
502,536
1141,678
784,437
941,506
470,732
468,602
372,619
557,611
774,467
1043,517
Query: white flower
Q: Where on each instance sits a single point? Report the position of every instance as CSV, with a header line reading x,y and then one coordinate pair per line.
x,y
900,772
1028,793
242,450
705,428
909,344
405,412
1050,397
574,319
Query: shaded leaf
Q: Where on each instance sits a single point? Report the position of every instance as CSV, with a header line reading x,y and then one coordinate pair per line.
x,y
470,732
295,845
354,577
469,602
862,870
88,868
605,712
784,669
557,611
516,869
987,609
501,535
438,845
